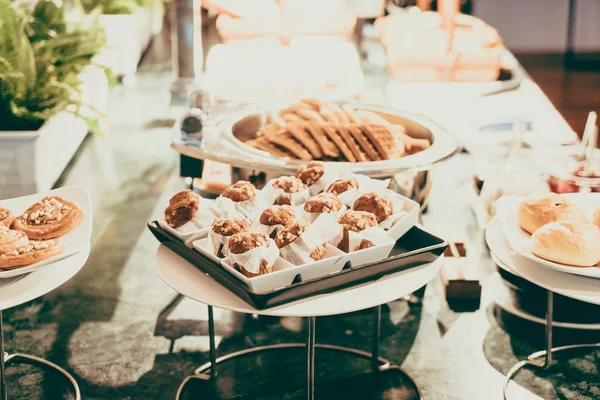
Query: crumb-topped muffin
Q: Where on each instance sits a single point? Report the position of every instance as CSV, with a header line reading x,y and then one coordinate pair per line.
x,y
277,215
245,241
291,232
240,191
311,172
229,226
323,203
242,242
289,185
376,204
182,208
342,185
356,221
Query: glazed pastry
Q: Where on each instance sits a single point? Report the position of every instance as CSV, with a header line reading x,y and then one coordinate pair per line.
x,y
182,208
6,217
292,232
49,218
342,185
289,185
240,191
323,203
11,239
376,204
356,221
311,172
567,242
31,253
241,243
536,211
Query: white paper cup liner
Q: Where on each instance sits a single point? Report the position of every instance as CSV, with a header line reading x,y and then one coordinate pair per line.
x,y
271,194
248,208
324,181
312,217
325,229
215,241
251,260
375,235
365,185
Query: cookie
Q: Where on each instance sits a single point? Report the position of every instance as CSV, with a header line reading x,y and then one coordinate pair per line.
x,y
382,139
240,191
331,131
291,145
342,185
318,133
182,208
298,131
351,143
363,142
323,203
311,172
374,203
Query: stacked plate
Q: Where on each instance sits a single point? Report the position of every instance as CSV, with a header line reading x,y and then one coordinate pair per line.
x,y
511,250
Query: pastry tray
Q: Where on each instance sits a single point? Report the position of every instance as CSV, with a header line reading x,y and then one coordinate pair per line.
x,y
416,248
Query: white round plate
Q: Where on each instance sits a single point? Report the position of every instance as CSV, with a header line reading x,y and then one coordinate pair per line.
x,y
506,208
574,286
74,241
188,280
502,299
25,288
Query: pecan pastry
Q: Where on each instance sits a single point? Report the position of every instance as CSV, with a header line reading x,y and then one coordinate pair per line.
x,y
49,218
6,217
292,232
31,253
240,191
323,203
376,204
11,239
277,215
311,172
182,208
240,243
356,221
289,185
342,185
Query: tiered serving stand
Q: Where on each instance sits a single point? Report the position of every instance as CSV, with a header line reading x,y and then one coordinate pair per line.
x,y
577,287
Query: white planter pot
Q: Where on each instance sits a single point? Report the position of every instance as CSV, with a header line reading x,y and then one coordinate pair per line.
x,y
32,161
158,13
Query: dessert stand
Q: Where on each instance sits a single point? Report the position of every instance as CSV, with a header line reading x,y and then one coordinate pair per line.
x,y
186,279
24,288
577,287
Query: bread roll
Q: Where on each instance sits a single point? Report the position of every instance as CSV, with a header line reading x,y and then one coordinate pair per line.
x,y
596,218
538,210
568,242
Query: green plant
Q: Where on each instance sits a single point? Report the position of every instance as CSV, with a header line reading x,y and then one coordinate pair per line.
x,y
41,56
111,7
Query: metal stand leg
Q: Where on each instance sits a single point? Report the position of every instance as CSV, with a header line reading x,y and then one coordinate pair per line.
x,y
378,363
533,359
5,358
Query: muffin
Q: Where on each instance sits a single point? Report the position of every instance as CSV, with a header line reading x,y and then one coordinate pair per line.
x,y
289,185
228,226
311,172
376,204
182,208
356,221
291,232
323,203
243,242
240,191
342,185
277,215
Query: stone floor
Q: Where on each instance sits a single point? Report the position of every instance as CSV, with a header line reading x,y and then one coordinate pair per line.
x,y
125,335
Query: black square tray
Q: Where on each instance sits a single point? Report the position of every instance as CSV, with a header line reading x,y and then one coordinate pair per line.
x,y
417,247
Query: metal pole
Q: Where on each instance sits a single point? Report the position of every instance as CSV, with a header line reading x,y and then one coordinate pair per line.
x,y
2,363
186,46
570,51
211,333
549,316
310,358
376,335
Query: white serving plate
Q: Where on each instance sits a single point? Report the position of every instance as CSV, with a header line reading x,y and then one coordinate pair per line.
x,y
506,208
402,226
575,286
284,273
74,241
188,233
